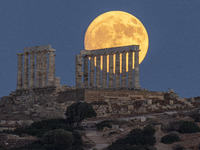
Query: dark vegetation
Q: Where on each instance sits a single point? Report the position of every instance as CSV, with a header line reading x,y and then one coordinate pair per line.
x,y
170,138
183,127
57,134
137,139
189,127
79,111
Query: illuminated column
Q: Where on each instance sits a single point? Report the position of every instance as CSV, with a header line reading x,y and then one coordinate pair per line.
x,y
44,68
19,71
79,72
123,75
98,71
51,70
117,70
92,71
85,74
111,74
32,69
104,72
136,70
25,85
130,69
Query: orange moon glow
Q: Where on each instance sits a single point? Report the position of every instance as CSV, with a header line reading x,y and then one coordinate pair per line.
x,y
115,29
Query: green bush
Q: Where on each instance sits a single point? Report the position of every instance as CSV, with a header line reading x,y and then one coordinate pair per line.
x,y
189,127
137,139
170,138
141,140
142,137
149,130
41,127
135,132
58,139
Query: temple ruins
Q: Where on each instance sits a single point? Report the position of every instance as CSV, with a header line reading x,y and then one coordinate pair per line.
x,y
111,78
41,71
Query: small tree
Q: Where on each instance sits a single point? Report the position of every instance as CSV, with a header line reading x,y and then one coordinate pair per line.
x,y
79,111
189,127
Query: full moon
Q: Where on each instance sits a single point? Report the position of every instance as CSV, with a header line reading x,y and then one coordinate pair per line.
x,y
116,29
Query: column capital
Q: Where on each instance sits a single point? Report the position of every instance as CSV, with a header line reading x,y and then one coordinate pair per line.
x,y
20,54
26,53
32,52
45,51
124,51
85,56
137,50
38,52
51,50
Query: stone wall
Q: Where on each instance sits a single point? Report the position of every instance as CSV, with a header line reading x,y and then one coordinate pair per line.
x,y
92,95
25,106
37,104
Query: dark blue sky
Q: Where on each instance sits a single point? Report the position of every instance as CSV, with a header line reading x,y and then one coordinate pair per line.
x,y
173,27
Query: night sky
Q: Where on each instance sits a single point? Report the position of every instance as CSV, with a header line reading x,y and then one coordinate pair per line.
x,y
173,26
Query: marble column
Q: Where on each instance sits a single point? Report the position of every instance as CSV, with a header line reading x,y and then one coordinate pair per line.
x,y
38,69
111,74
104,72
117,70
123,75
130,69
32,69
136,70
98,71
44,68
85,74
26,71
19,71
51,70
79,72
92,71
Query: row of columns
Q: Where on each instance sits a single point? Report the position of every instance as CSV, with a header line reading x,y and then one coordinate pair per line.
x,y
38,78
111,79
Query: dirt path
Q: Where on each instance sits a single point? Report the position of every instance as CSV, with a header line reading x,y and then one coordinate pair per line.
x,y
97,138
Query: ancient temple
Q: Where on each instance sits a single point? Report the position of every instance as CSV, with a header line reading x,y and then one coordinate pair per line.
x,y
40,72
98,75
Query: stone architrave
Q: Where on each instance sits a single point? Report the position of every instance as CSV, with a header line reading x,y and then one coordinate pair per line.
x,y
117,70
98,71
38,69
123,75
130,69
136,70
19,71
111,74
51,70
44,68
85,74
79,72
26,71
104,72
32,69
92,71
